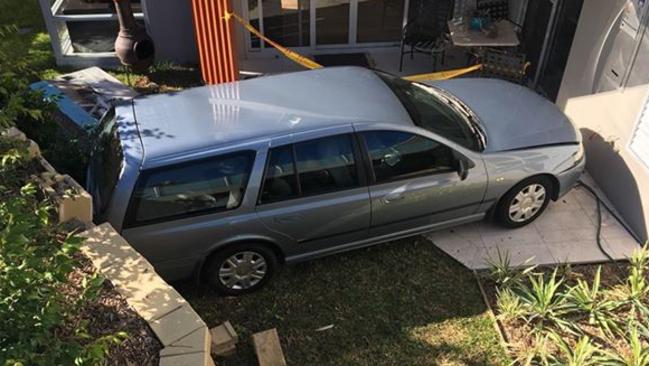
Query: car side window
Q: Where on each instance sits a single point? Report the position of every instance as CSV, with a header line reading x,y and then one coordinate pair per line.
x,y
280,180
206,186
322,165
399,155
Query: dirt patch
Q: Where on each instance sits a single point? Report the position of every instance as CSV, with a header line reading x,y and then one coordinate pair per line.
x,y
109,313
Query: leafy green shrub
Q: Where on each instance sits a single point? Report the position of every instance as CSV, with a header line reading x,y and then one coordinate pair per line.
x,y
39,310
30,111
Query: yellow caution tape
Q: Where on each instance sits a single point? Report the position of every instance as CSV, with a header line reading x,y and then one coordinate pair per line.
x,y
310,64
304,61
443,75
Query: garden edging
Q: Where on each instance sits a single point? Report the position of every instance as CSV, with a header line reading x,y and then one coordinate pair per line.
x,y
184,335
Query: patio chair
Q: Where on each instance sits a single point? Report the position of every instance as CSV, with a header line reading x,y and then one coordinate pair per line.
x,y
510,66
427,31
495,9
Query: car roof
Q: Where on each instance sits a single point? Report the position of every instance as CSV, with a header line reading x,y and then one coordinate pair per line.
x,y
209,117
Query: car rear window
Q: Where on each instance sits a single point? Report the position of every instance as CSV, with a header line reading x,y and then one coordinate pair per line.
x,y
106,161
199,187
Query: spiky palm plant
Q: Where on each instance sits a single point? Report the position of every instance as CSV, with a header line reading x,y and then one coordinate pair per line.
x,y
509,304
543,302
593,302
637,353
504,273
583,353
537,354
635,291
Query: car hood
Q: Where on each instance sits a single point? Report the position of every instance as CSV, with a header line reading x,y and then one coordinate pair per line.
x,y
513,117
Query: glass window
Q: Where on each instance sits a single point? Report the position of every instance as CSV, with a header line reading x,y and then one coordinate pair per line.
x,y
280,182
323,165
326,164
332,21
400,155
429,108
284,21
210,185
287,22
84,7
379,20
253,16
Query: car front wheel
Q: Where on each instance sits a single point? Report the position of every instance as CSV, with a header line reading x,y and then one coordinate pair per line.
x,y
524,203
241,269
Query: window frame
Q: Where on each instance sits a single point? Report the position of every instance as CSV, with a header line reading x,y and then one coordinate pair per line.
x,y
359,162
372,175
130,221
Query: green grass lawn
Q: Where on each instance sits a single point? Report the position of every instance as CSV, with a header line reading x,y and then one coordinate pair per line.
x,y
402,303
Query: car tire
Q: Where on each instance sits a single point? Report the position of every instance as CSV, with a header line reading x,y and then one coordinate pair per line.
x,y
241,268
524,203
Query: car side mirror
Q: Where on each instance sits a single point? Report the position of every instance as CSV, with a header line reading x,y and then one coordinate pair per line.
x,y
463,168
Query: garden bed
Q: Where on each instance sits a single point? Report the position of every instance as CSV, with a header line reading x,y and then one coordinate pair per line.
x,y
579,315
55,309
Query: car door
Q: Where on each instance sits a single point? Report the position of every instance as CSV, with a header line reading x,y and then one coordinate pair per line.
x,y
415,183
314,193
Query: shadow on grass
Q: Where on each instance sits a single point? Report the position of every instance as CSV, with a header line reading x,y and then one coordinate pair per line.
x,y
402,303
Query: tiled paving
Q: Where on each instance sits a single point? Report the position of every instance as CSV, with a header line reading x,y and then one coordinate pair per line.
x,y
564,233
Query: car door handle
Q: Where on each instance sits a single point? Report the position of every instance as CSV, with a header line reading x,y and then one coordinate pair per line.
x,y
393,197
288,219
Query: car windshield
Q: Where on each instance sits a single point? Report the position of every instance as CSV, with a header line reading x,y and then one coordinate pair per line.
x,y
434,111
106,161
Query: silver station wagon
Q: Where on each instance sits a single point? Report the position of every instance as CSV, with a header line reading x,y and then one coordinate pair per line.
x,y
228,182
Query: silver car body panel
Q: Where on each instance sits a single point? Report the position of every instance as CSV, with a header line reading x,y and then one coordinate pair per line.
x,y
519,127
160,133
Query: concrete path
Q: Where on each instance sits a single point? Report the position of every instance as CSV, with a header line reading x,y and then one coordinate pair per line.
x,y
564,233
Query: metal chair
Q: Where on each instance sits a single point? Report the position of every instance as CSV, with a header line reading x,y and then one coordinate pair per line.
x,y
427,31
510,66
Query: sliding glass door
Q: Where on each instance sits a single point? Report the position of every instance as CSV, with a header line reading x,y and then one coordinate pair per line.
x,y
379,20
327,23
332,21
286,22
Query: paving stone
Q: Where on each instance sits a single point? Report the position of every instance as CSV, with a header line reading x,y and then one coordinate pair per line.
x,y
195,342
524,236
519,255
105,247
576,252
191,359
621,248
177,325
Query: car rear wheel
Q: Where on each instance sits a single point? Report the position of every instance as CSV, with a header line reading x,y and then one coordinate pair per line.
x,y
524,203
241,269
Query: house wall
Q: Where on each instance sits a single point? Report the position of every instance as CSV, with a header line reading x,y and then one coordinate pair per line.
x,y
607,119
170,24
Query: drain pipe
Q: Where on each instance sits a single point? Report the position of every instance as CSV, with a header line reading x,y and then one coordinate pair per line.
x,y
133,46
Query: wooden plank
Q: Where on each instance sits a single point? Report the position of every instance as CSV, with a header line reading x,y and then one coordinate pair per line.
x,y
269,351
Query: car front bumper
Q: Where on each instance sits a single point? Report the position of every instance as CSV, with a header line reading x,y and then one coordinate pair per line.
x,y
569,178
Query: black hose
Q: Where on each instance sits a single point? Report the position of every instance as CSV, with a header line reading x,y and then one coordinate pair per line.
x,y
600,202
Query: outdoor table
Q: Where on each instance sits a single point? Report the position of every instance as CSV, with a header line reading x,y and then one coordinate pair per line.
x,y
462,36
